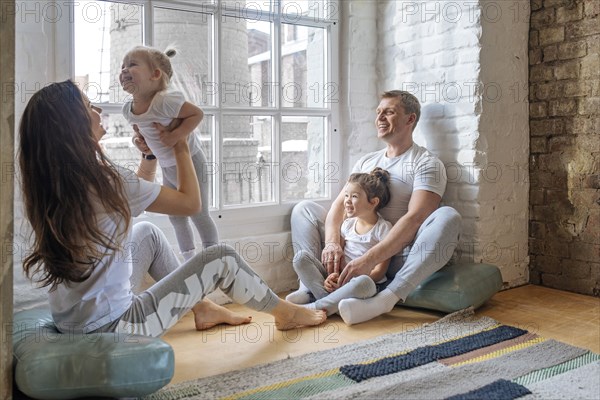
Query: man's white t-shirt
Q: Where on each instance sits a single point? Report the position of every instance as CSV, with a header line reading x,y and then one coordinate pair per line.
x,y
106,294
415,169
164,108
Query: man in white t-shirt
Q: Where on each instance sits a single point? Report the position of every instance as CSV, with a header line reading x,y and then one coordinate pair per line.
x,y
423,236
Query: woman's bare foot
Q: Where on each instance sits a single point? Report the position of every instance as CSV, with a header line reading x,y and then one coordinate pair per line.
x,y
208,314
289,316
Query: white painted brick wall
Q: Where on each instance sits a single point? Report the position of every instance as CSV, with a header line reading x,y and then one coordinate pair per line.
x,y
452,55
358,79
443,83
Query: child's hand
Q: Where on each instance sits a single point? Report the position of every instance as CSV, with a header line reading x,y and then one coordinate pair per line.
x,y
167,134
331,282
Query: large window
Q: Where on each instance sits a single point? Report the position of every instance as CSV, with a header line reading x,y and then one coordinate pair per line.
x,y
260,70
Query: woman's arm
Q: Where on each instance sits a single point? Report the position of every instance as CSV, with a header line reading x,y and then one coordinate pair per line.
x,y
147,169
190,116
186,199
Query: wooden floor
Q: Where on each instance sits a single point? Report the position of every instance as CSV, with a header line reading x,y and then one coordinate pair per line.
x,y
555,314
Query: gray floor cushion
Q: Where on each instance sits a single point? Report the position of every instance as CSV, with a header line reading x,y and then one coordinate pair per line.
x,y
456,287
53,365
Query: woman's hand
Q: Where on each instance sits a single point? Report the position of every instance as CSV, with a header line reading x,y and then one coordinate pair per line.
x,y
185,200
139,141
331,282
332,257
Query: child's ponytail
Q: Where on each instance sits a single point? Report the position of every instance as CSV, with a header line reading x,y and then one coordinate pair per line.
x,y
170,52
375,184
381,174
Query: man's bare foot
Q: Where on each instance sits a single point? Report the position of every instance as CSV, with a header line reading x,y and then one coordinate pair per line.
x,y
208,314
289,316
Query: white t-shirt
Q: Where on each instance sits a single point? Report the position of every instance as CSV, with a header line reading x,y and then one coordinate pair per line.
x,y
106,294
164,108
415,169
357,244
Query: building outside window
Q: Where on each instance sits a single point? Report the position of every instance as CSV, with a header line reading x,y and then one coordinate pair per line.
x,y
262,71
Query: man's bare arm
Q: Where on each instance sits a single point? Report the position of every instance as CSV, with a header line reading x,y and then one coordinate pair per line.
x,y
333,253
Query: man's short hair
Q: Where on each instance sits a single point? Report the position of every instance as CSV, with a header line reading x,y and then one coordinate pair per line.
x,y
409,102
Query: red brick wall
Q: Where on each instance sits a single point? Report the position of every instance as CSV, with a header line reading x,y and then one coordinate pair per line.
x,y
564,90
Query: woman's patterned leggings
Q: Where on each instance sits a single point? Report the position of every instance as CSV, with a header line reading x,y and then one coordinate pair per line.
x,y
179,288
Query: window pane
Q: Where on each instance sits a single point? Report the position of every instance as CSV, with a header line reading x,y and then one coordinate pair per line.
x,y
246,63
247,171
247,168
190,34
104,30
247,8
316,10
303,155
303,66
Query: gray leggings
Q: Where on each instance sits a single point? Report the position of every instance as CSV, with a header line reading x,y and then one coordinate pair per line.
x,y
312,273
432,247
204,224
179,288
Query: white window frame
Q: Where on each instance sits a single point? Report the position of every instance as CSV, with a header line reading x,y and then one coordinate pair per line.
x,y
242,220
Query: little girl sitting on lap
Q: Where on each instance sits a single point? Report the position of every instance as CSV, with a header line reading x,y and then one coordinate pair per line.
x,y
363,228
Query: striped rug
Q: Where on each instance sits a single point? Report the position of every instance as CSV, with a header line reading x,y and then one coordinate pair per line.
x,y
457,357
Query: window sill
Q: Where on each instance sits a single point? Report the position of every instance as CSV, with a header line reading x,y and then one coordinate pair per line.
x,y
243,221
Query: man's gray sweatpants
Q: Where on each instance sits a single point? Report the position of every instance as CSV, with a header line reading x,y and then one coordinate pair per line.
x,y
431,249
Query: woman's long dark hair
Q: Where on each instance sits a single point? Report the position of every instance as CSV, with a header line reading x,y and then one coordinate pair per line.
x,y
64,174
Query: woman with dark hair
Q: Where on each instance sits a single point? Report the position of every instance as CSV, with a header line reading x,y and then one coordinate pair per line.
x,y
80,206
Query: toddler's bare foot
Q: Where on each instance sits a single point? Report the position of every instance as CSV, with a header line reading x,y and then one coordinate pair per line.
x,y
208,314
289,316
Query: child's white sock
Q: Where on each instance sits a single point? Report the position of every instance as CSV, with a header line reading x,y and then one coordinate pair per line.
x,y
299,297
355,311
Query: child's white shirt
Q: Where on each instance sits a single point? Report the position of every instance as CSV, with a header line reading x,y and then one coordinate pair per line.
x,y
165,106
357,244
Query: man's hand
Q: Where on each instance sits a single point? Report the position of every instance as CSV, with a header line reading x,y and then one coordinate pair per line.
x,y
356,267
331,282
332,257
